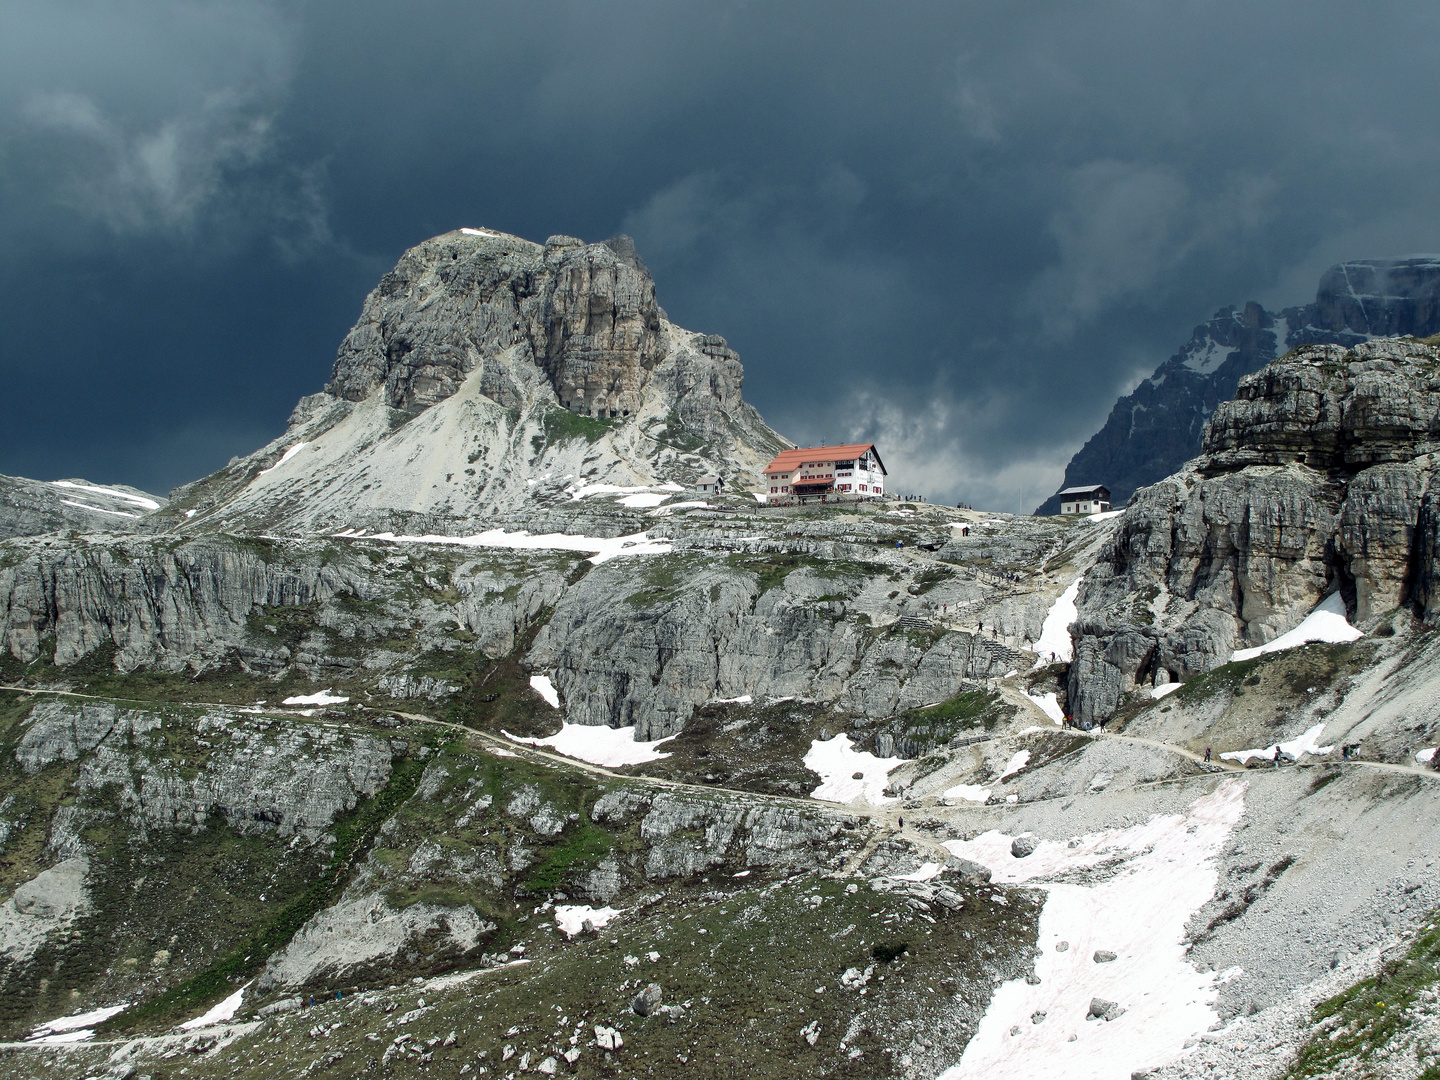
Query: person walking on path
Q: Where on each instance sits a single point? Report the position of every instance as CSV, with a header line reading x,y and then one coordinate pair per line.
x,y
1207,755
1277,756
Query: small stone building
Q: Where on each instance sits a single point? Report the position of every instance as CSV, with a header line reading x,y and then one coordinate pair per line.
x,y
710,484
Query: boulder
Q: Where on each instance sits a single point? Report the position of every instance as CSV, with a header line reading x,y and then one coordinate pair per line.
x,y
1022,846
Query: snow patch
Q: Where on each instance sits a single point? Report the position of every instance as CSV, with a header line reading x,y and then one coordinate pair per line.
x,y
479,232
1157,692
571,917
98,509
581,491
604,548
324,697
290,453
1016,763
969,792
542,685
1301,744
1426,756
599,745
1055,631
743,699
1104,515
138,500
1326,623
1049,703
925,873
1166,872
836,761
77,1028
218,1014
643,499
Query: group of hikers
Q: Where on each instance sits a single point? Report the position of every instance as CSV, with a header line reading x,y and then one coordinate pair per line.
x,y
1085,725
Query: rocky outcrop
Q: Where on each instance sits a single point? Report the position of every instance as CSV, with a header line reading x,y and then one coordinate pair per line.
x,y
482,367
688,834
1316,477
32,508
1153,431
262,776
584,314
43,906
363,936
714,632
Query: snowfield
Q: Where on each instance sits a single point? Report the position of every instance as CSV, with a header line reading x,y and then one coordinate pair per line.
x,y
140,501
1055,631
324,697
570,918
604,548
1049,703
1308,743
836,761
77,1028
1326,623
542,685
220,1013
1165,871
611,747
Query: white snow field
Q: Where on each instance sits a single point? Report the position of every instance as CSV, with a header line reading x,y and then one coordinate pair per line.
x,y
1308,743
599,745
1157,692
77,1028
98,509
643,500
1049,703
218,1014
969,792
1425,756
570,918
1165,871
836,761
1104,515
1016,763
289,453
1326,623
542,685
604,548
324,697
138,500
1055,631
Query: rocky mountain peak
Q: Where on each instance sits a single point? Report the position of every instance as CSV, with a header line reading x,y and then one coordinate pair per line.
x,y
485,370
585,314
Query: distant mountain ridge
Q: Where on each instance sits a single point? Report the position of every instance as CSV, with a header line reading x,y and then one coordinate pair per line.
x,y
1153,431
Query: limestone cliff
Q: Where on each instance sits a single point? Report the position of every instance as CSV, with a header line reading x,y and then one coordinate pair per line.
x,y
1317,477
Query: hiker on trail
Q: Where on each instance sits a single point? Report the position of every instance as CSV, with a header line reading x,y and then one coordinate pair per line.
x,y
982,626
1277,756
900,823
1345,752
1207,755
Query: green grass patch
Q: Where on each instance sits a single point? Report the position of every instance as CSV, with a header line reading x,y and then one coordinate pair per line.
x,y
1369,1015
562,426
353,835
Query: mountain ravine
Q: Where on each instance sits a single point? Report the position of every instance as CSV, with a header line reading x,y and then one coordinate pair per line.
x,y
456,732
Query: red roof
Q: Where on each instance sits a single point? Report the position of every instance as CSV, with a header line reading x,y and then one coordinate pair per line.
x,y
789,460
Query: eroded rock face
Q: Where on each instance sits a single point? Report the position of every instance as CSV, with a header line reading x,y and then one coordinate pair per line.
x,y
260,776
585,314
363,934
33,508
47,903
1316,477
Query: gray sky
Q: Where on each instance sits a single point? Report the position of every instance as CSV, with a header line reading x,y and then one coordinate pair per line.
x,y
961,229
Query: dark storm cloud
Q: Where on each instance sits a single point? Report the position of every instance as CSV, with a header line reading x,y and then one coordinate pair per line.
x,y
962,228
